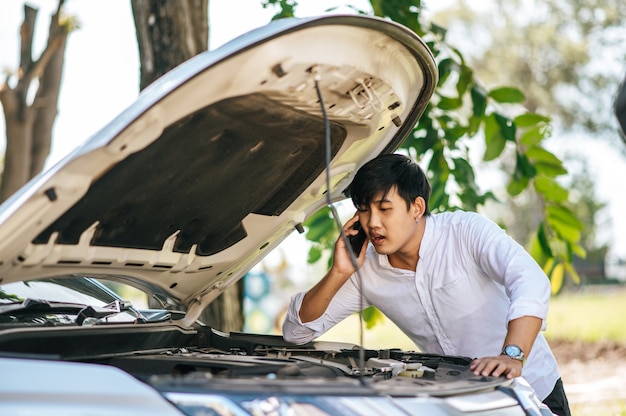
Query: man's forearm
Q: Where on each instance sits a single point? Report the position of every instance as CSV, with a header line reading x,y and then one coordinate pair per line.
x,y
523,332
318,298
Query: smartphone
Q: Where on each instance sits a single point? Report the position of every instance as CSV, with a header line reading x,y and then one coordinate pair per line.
x,y
356,241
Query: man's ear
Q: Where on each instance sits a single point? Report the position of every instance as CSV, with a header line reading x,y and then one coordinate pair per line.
x,y
419,206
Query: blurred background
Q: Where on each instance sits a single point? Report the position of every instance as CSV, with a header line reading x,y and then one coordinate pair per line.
x,y
567,57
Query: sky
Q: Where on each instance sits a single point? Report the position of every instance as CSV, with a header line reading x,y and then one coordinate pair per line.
x,y
101,78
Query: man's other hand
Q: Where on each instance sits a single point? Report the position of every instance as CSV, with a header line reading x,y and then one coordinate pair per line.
x,y
501,365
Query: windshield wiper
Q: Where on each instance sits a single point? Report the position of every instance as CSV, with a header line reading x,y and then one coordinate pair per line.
x,y
39,305
95,314
84,313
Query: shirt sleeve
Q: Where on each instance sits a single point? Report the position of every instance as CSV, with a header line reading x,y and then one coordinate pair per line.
x,y
346,302
507,262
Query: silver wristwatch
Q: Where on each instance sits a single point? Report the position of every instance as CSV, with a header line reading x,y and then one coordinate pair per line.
x,y
514,352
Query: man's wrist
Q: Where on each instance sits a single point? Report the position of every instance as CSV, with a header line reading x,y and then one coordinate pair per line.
x,y
515,352
339,275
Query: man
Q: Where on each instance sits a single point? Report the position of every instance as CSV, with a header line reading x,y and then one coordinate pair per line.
x,y
454,282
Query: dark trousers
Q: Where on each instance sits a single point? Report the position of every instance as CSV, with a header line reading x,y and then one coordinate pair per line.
x,y
557,400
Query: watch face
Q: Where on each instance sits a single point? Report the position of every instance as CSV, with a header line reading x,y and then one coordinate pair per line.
x,y
513,351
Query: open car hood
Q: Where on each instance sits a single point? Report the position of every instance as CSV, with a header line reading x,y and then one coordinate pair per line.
x,y
220,159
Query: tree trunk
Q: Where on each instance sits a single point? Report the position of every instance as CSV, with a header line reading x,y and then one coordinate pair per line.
x,y
47,99
170,32
29,125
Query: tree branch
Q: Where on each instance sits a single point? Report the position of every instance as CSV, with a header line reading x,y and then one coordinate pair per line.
x,y
37,67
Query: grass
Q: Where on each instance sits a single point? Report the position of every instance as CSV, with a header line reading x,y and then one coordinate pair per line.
x,y
590,314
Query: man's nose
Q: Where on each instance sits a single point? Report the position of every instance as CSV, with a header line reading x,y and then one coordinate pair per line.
x,y
373,220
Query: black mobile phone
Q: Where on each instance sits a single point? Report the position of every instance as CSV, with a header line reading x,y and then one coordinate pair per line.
x,y
356,241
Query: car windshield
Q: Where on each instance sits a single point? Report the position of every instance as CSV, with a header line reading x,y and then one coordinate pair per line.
x,y
69,290
62,301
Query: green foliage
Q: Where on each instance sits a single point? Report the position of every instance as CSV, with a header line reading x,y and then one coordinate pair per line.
x,y
507,95
372,316
533,52
449,126
460,112
287,8
322,233
406,12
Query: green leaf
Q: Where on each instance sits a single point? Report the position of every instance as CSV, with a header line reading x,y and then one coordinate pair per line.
x,y
507,127
426,142
320,216
438,30
479,101
548,266
556,278
445,69
540,154
372,316
439,164
565,231
551,190
579,251
456,52
439,197
320,228
548,169
446,120
564,215
315,254
530,119
466,78
523,167
463,169
516,186
449,103
558,246
494,140
507,95
532,136
474,125
542,238
455,133
572,272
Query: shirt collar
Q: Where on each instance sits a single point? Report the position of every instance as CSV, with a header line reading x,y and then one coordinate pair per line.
x,y
427,238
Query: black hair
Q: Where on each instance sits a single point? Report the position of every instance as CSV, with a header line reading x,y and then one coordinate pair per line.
x,y
381,174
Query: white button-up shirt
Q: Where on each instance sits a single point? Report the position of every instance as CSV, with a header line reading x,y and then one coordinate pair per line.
x,y
471,280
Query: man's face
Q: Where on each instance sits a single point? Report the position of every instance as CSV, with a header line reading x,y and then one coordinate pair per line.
x,y
388,223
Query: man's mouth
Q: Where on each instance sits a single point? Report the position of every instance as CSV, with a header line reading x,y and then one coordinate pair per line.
x,y
377,239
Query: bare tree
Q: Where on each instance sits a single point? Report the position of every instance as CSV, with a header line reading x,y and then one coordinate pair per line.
x,y
30,106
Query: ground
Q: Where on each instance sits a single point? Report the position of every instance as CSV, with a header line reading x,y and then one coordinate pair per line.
x,y
594,376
